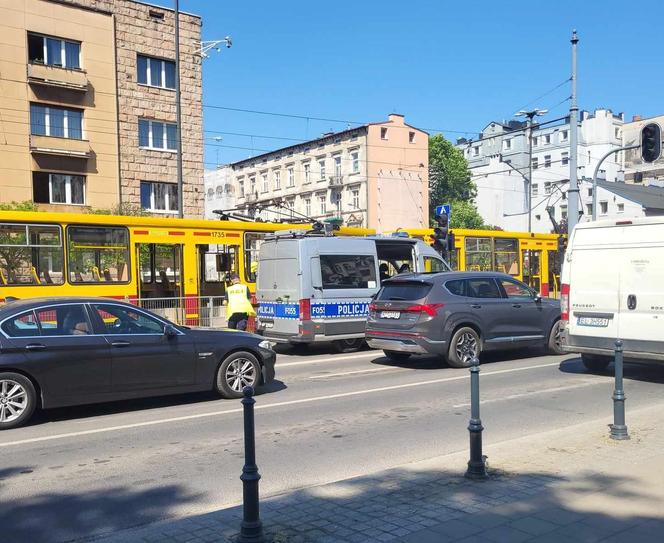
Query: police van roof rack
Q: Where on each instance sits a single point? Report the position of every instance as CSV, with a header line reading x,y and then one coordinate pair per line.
x,y
318,229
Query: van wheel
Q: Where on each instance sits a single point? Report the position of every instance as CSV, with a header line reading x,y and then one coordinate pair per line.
x,y
348,345
396,356
18,400
465,346
239,370
555,338
595,363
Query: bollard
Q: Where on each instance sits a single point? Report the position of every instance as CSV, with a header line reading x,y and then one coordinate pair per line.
x,y
477,463
251,529
618,428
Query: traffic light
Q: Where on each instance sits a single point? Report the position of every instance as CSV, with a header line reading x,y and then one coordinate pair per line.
x,y
440,234
651,142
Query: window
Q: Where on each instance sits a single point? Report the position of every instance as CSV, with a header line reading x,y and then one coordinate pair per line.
x,y
307,206
476,151
507,144
617,133
514,289
56,121
156,72
264,182
621,208
348,271
535,141
547,139
638,177
355,198
547,161
383,133
55,188
24,325
277,180
31,255
404,291
589,209
64,320
603,208
478,254
355,159
307,172
534,189
482,288
563,211
590,193
535,163
252,185
290,205
337,166
322,202
547,187
411,137
506,255
219,191
291,177
157,135
564,158
210,193
321,166
241,187
456,287
564,135
54,51
98,254
120,320
159,196
434,265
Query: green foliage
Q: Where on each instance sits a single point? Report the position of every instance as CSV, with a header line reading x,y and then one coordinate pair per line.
x,y
449,178
27,205
126,210
464,215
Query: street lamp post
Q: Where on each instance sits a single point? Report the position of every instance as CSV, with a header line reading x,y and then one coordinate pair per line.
x,y
530,115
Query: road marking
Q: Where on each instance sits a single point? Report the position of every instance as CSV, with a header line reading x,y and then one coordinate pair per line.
x,y
533,393
385,368
268,406
329,359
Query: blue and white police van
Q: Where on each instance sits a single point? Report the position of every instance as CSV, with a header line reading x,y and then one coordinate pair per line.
x,y
316,288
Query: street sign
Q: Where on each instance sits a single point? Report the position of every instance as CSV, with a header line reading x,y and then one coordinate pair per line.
x,y
445,208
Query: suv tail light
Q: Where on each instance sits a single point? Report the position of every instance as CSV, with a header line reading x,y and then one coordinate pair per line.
x,y
429,309
372,307
564,302
305,309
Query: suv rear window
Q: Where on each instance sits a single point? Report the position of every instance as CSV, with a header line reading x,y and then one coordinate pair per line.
x,y
404,291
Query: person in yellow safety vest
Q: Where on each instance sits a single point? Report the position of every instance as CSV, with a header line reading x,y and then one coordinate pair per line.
x,y
239,307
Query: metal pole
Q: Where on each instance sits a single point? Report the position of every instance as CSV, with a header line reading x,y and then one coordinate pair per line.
x,y
477,463
529,195
178,112
601,160
618,428
573,191
251,529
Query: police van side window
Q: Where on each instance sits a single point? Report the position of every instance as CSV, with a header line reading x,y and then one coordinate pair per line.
x,y
348,271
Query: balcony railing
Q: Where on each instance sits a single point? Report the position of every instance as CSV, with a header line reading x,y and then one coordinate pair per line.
x,y
51,145
335,180
251,197
56,76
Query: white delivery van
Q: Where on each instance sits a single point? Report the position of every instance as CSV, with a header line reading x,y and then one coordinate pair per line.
x,y
613,288
317,288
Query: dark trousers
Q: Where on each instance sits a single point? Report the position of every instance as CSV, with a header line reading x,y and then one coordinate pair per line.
x,y
238,321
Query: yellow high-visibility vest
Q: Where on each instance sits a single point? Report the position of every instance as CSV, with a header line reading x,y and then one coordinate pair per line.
x,y
238,302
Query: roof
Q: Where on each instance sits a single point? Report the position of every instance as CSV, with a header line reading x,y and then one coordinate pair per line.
x,y
650,197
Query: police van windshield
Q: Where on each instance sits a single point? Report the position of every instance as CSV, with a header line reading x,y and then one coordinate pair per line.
x,y
348,271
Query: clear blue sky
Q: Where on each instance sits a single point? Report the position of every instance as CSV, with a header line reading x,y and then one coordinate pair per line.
x,y
450,66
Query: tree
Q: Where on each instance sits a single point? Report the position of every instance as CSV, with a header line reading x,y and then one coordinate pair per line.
x,y
449,178
464,215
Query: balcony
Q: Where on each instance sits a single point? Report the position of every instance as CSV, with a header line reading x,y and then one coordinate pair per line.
x,y
56,76
50,145
251,197
335,181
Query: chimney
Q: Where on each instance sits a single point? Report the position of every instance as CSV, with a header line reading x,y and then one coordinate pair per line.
x,y
396,118
636,118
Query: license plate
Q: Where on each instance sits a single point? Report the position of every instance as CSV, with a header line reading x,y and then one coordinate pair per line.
x,y
390,314
268,324
600,322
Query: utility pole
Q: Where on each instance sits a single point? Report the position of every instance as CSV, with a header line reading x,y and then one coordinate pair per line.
x,y
573,191
529,189
178,112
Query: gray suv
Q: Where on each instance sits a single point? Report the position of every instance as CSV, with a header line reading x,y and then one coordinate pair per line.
x,y
457,315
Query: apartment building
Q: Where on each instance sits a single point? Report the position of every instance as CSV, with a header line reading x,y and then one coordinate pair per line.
x,y
375,176
88,112
498,162
219,191
637,171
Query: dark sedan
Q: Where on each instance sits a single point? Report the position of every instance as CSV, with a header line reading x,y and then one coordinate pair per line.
x,y
69,351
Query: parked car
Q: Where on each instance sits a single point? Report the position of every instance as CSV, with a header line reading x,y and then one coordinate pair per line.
x,y
57,352
457,315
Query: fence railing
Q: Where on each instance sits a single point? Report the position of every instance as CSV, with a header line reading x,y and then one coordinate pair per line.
x,y
203,311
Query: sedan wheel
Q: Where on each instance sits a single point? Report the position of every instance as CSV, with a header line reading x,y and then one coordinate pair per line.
x,y
237,371
556,338
17,400
465,346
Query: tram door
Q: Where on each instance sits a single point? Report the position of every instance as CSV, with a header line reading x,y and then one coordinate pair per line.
x,y
555,265
215,265
160,270
532,268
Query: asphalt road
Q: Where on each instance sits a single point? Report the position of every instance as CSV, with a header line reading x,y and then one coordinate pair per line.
x,y
82,471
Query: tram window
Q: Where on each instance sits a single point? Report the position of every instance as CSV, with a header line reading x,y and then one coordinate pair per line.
x,y
219,265
98,254
30,254
506,256
167,265
478,254
252,244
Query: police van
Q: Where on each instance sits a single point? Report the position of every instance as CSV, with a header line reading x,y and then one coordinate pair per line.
x,y
316,288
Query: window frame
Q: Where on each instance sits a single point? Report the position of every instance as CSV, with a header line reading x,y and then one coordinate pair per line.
x,y
148,71
63,48
506,295
332,286
65,121
69,267
150,146
101,329
167,197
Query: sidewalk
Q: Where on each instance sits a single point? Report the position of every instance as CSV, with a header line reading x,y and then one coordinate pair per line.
x,y
570,485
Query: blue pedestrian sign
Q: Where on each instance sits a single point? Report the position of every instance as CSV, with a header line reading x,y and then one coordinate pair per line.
x,y
445,208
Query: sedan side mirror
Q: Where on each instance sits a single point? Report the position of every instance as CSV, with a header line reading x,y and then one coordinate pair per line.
x,y
170,331
537,297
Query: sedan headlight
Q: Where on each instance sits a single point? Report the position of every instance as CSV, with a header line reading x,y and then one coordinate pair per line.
x,y
265,344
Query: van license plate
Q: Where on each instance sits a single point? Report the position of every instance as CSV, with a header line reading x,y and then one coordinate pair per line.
x,y
268,324
599,322
390,314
